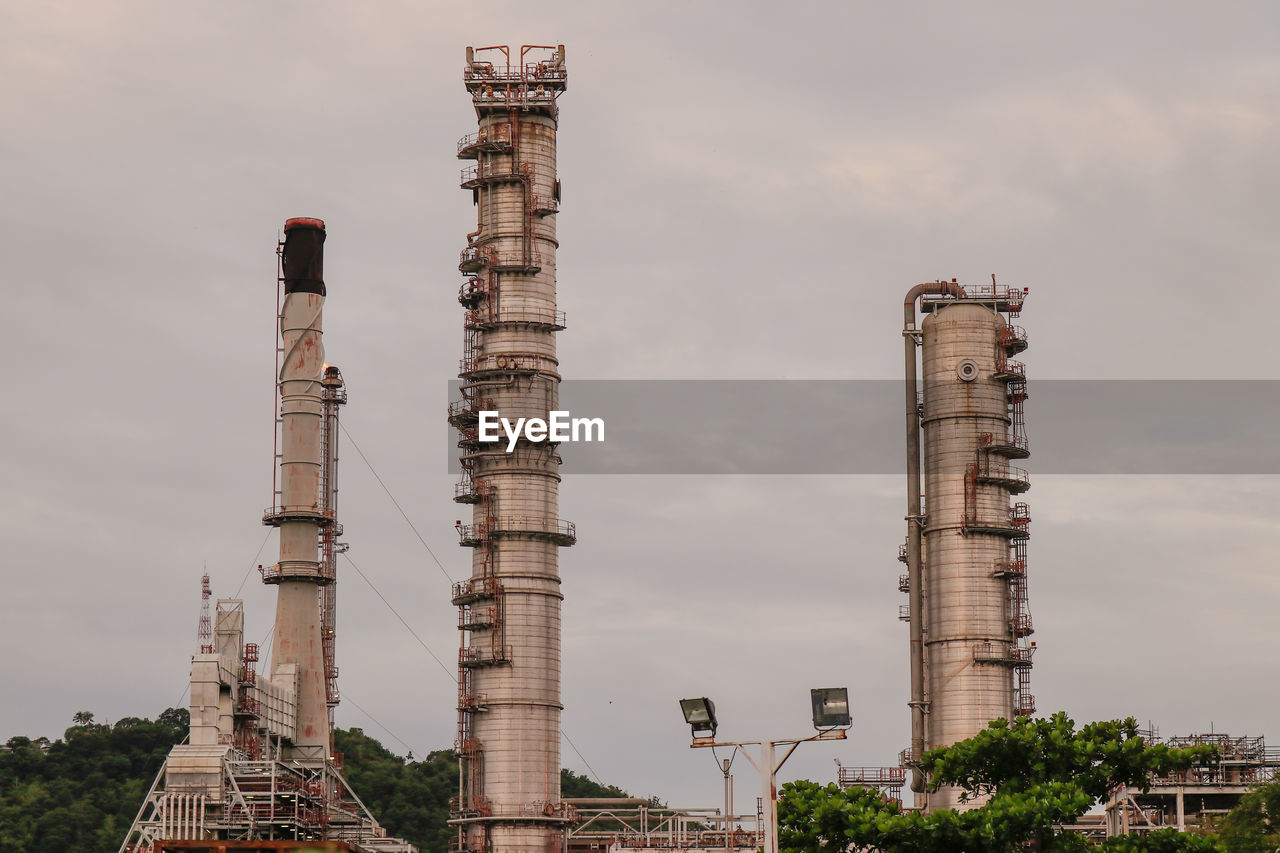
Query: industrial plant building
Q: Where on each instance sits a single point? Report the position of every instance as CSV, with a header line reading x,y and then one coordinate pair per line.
x,y
259,772
1193,798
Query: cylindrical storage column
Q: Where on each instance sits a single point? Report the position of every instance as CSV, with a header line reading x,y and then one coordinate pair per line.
x,y
509,610
299,513
970,646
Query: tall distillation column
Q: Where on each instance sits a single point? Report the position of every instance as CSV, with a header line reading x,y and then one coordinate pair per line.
x,y
509,610
301,512
966,548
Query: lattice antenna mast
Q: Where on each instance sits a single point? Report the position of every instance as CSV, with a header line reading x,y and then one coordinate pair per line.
x,y
205,633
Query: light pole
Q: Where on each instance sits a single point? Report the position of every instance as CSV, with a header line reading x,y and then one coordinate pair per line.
x,y
725,764
830,717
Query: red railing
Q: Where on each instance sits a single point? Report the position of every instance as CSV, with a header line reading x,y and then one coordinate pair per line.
x,y
1013,337
532,72
468,407
496,136
475,256
474,804
477,587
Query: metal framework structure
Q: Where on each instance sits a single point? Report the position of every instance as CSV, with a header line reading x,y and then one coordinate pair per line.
x,y
236,785
204,635
265,804
251,847
508,740
642,825
1195,796
966,557
259,772
887,780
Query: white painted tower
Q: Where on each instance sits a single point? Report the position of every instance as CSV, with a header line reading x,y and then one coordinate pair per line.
x,y
301,512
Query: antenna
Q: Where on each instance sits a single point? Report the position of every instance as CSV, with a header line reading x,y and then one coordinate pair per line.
x,y
205,634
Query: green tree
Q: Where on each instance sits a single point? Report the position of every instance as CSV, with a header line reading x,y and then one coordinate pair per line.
x,y
1253,826
576,785
81,793
411,798
1035,774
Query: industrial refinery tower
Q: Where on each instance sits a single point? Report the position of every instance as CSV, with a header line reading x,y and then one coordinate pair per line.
x,y
509,707
258,772
303,510
966,550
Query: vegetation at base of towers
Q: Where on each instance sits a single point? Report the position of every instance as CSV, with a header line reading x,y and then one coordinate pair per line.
x,y
576,785
1036,774
80,793
411,798
1253,826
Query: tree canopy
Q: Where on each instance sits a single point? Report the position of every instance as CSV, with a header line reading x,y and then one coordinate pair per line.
x,y
1254,825
82,792
1035,774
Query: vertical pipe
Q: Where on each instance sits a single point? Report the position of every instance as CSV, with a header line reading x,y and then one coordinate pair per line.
x,y
915,519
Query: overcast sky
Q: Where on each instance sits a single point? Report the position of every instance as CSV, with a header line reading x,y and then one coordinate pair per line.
x,y
749,189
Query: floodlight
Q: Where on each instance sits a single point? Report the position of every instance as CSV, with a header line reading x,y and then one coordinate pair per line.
x,y
700,714
830,707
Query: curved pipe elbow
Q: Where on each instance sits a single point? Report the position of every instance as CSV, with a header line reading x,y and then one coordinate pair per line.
x,y
940,288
